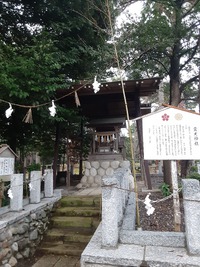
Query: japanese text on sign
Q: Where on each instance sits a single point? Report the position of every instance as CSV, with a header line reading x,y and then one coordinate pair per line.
x,y
6,166
171,135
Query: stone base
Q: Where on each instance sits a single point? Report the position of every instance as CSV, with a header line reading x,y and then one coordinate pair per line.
x,y
105,157
134,255
96,170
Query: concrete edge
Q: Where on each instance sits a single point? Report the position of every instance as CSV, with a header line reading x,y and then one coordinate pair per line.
x,y
130,213
150,238
133,255
123,255
12,216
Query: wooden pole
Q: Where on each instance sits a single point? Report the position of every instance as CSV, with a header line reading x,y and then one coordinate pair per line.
x,y
127,117
177,213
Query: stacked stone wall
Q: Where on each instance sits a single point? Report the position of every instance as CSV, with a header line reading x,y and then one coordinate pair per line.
x,y
21,235
96,170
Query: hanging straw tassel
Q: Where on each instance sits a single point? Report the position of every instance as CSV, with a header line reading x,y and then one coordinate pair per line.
x,y
28,118
77,101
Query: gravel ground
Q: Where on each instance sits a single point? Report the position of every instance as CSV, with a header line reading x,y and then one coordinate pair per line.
x,y
163,217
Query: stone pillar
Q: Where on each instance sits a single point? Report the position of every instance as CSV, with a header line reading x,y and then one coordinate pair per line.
x,y
123,186
191,202
110,231
127,173
35,193
16,186
48,183
120,195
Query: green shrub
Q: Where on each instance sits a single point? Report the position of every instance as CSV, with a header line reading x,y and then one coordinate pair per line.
x,y
193,169
165,189
194,175
34,167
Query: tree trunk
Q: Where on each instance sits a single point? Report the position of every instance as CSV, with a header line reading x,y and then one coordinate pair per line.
x,y
81,152
167,172
56,152
175,93
185,164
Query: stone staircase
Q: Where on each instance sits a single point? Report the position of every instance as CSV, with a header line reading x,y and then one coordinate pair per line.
x,y
73,222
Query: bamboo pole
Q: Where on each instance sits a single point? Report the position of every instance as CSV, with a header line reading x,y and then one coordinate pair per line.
x,y
127,117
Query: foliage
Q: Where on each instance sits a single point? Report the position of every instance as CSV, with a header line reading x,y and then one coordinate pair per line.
x,y
44,46
164,42
165,189
193,169
193,173
33,167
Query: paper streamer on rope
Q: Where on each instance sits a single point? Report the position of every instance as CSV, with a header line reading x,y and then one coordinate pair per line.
x,y
96,85
150,209
28,118
10,194
9,111
52,109
30,187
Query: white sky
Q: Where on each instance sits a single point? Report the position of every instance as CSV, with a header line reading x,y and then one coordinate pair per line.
x,y
133,9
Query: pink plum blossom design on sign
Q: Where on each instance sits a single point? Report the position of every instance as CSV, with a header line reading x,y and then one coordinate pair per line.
x,y
165,117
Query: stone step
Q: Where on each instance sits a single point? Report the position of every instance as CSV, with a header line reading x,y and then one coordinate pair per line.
x,y
73,222
78,211
77,201
85,222
59,248
82,235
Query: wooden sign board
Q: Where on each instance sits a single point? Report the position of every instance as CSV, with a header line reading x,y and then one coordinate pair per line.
x,y
171,134
5,178
6,166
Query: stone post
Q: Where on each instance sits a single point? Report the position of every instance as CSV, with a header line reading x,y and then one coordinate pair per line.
x,y
110,231
120,195
16,186
48,183
35,193
191,202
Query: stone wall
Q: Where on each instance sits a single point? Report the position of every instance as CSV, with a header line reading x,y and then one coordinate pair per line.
x,y
96,170
21,232
138,248
191,202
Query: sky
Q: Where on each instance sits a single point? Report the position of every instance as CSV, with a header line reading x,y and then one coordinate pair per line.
x,y
133,9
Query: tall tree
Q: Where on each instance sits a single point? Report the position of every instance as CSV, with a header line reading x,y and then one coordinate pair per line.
x,y
164,41
44,45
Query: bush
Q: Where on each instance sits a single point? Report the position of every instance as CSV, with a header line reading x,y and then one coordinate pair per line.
x,y
194,175
165,189
34,167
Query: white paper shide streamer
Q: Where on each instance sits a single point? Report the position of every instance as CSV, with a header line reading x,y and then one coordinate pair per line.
x,y
52,109
10,194
150,209
30,187
96,85
9,111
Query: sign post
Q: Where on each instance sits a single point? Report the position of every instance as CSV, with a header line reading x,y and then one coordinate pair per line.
x,y
172,134
176,202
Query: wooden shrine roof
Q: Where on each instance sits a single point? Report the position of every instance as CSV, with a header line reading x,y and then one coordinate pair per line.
x,y
108,103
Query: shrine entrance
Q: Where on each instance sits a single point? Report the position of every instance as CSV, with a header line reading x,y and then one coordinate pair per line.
x,y
107,143
106,112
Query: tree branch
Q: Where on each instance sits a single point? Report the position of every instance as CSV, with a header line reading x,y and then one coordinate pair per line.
x,y
189,11
193,79
195,48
